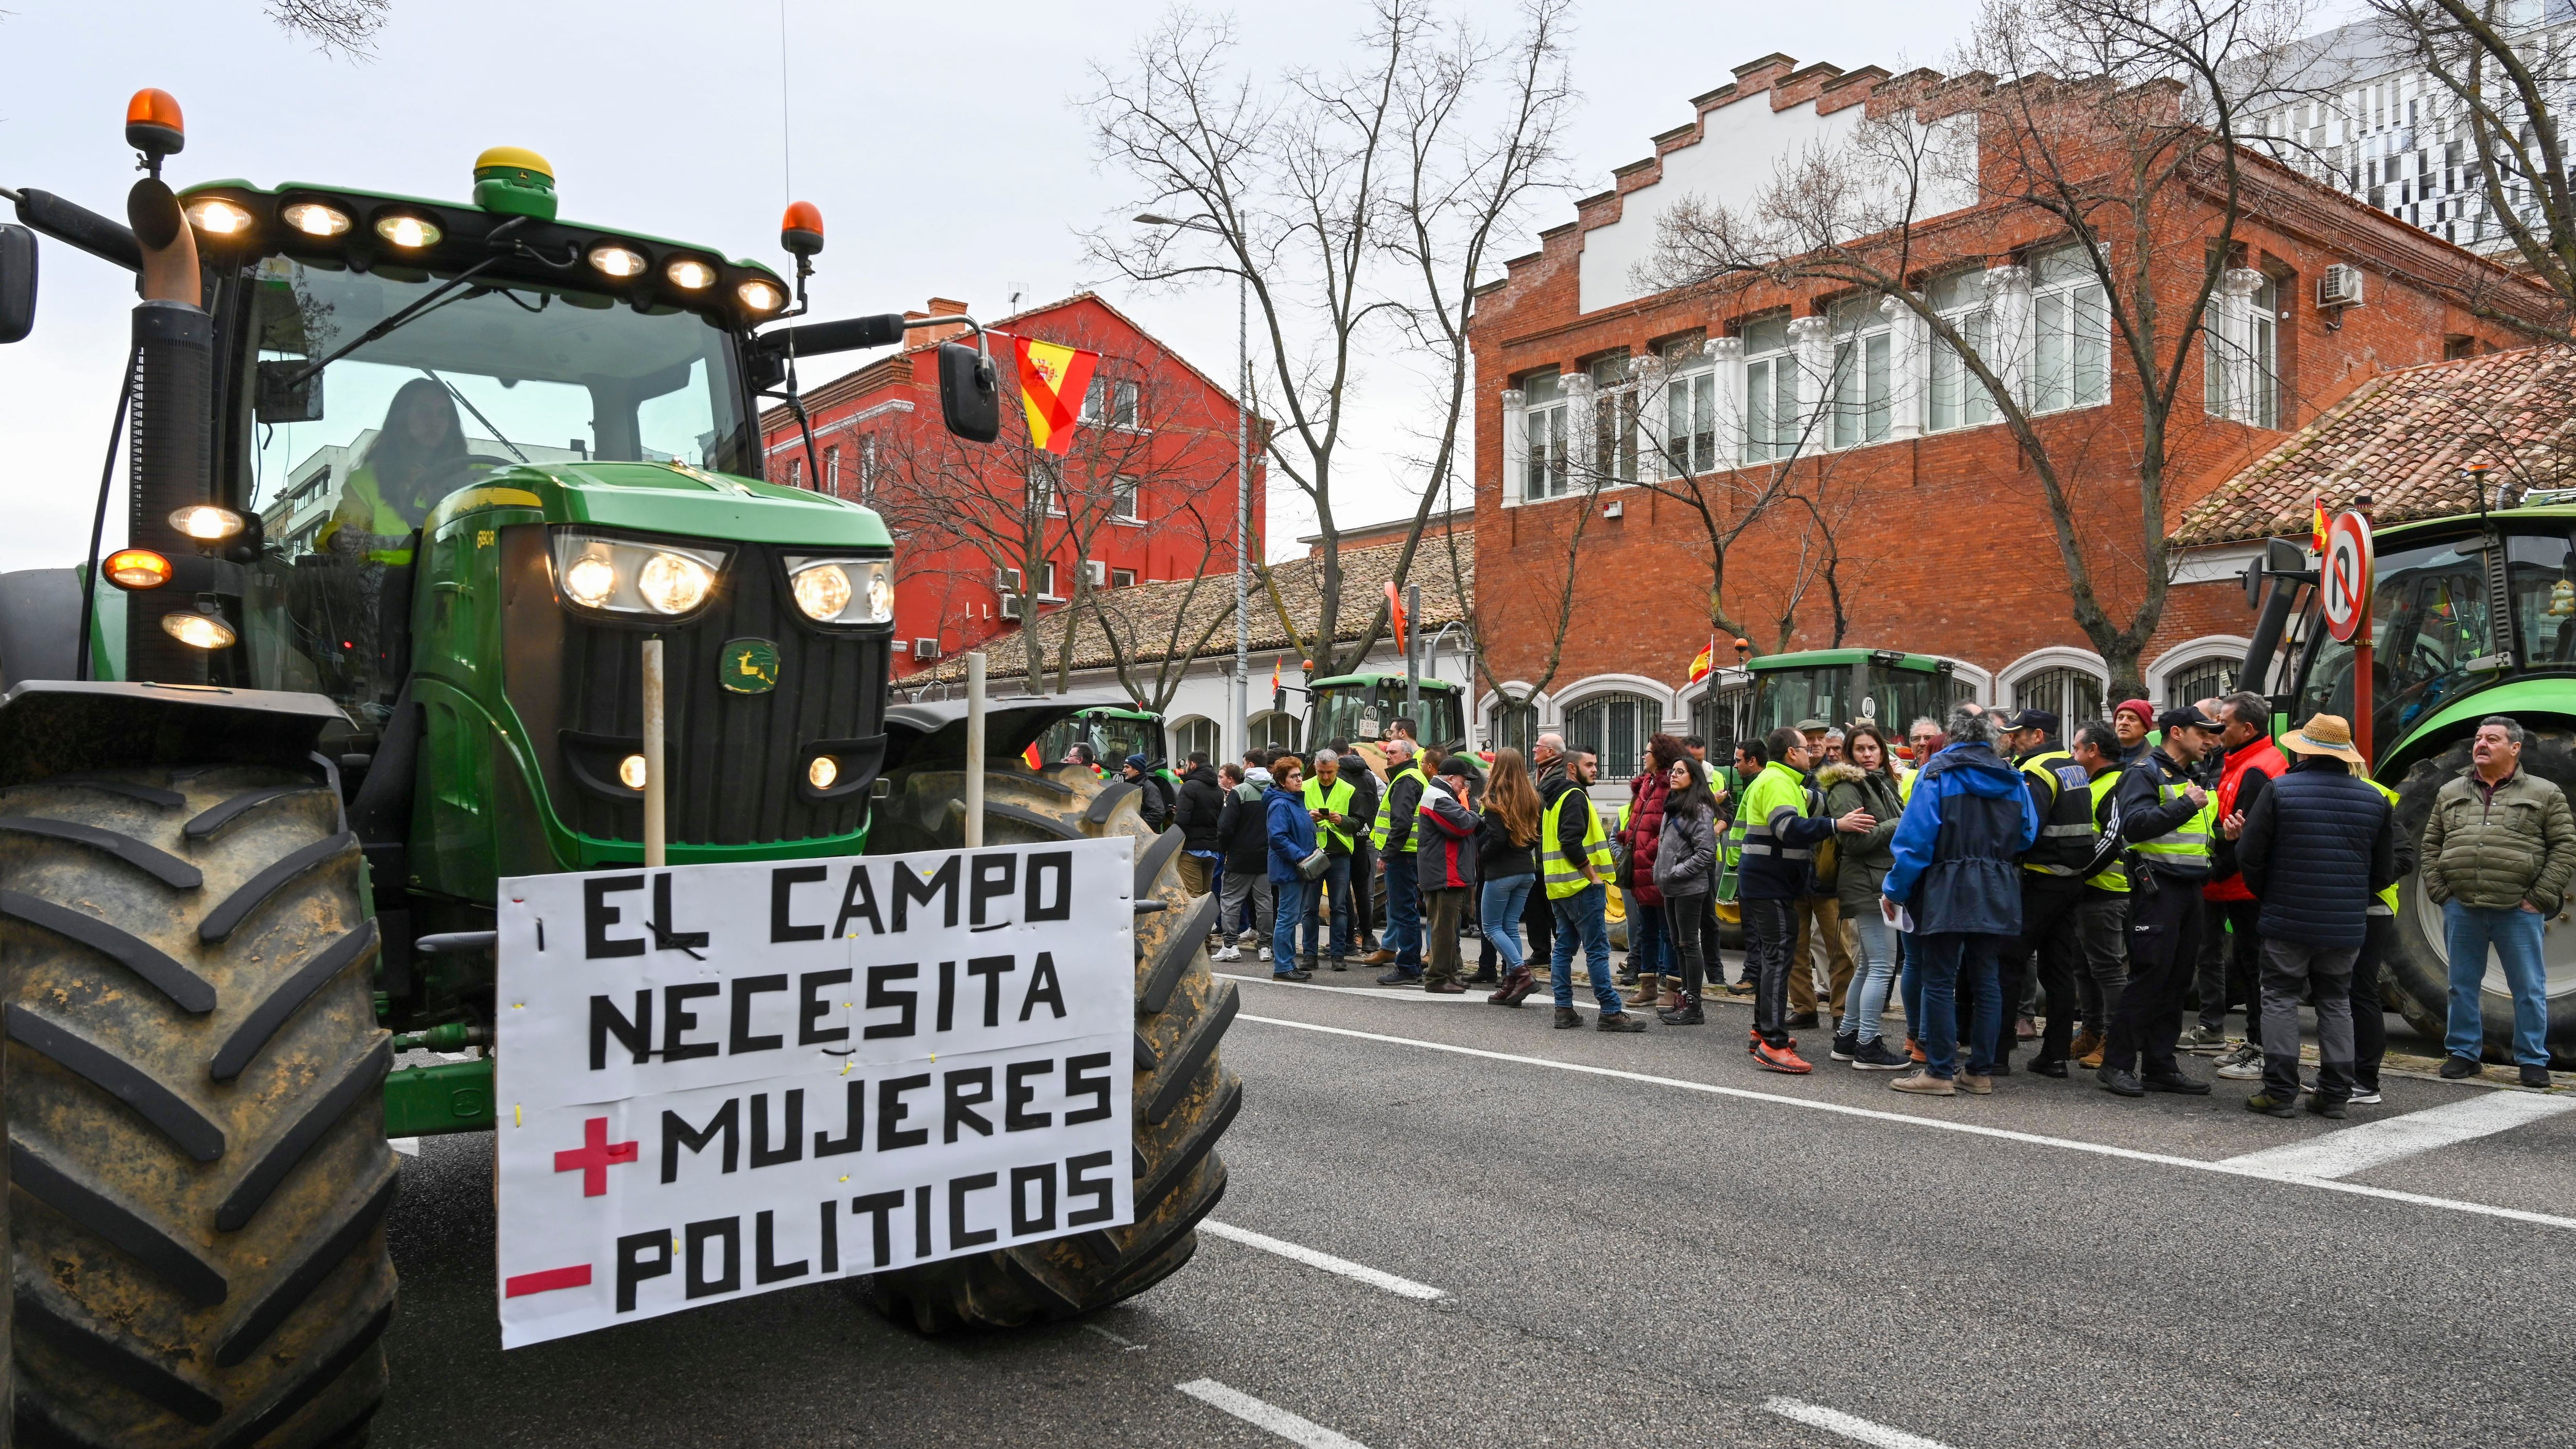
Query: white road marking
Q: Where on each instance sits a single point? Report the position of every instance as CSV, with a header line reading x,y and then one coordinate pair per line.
x,y
1859,1430
2098,1149
1401,1287
2376,1144
1128,1344
407,1146
1291,1427
1416,993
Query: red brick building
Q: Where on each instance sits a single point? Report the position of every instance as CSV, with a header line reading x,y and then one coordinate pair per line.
x,y
1147,493
1944,545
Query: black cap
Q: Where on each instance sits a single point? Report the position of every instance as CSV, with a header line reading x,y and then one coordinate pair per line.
x,y
2186,717
2027,719
1457,765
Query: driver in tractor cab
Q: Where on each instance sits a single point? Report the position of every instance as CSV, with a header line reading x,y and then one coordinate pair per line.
x,y
417,459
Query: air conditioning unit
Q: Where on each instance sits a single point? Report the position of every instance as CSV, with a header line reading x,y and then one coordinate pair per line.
x,y
1098,572
925,650
1007,580
1010,606
2339,286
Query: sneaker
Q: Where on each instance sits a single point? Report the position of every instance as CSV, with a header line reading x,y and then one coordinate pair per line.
x,y
2455,1068
2364,1097
2204,1039
1229,954
1400,977
1874,1056
2177,1084
1740,988
2536,1077
1924,1084
1781,1059
2326,1107
1971,1082
1292,975
1618,1021
1846,1046
1262,954
1339,964
2270,1106
2242,1063
1567,1016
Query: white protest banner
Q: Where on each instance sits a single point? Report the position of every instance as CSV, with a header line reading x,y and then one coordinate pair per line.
x,y
719,1080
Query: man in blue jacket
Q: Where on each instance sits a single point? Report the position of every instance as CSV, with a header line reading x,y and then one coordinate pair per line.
x,y
1292,839
1956,872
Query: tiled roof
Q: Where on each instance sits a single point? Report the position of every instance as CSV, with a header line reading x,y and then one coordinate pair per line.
x,y
1146,612
2404,438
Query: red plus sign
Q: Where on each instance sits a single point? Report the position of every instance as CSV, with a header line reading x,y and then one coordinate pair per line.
x,y
592,1158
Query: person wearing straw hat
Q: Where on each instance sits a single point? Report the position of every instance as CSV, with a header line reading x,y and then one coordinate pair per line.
x,y
2314,846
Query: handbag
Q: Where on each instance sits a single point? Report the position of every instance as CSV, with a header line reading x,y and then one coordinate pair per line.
x,y
1623,864
1314,866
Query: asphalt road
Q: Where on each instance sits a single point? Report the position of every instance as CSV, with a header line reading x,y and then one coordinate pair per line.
x,y
1638,1259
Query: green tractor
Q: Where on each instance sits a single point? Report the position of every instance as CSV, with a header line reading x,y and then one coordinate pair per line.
x,y
1363,708
1839,686
2471,615
412,483
1113,732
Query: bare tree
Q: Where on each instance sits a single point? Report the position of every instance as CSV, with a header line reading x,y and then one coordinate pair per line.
x,y
1356,204
2506,69
2106,132
346,28
1123,628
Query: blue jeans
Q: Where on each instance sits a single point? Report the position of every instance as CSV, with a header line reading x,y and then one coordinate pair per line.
x,y
1337,875
2515,934
1403,913
1586,914
1288,907
1650,940
1953,960
1499,905
1868,999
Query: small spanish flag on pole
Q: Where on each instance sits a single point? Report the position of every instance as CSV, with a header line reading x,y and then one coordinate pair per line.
x,y
1395,614
1274,674
1706,661
1053,379
2317,528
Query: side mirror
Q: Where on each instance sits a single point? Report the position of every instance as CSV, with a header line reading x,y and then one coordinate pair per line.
x,y
17,283
970,396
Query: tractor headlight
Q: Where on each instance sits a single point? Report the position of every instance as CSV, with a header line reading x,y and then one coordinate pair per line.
x,y
616,261
217,217
822,772
843,590
206,523
689,274
197,631
411,233
635,576
760,297
632,773
316,220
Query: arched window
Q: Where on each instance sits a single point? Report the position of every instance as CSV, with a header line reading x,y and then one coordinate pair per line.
x,y
1614,727
2073,695
1194,736
1272,730
2202,679
1515,726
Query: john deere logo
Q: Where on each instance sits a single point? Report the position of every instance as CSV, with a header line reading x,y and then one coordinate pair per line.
x,y
749,666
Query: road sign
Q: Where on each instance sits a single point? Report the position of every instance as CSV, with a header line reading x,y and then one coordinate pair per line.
x,y
2346,581
722,1080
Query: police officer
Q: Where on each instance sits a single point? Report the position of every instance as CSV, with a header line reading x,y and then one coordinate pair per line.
x,y
2168,819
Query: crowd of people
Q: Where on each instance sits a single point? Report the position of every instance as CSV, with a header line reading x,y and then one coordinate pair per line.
x,y
1995,883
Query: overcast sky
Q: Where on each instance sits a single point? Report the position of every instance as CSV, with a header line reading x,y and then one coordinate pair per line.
x,y
941,142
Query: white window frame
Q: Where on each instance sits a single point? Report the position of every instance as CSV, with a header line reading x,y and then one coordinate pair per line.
x,y
1953,399
1863,386
2070,334
1122,578
1547,421
2240,350
1685,423
1771,392
2027,669
1183,742
1617,389
1125,501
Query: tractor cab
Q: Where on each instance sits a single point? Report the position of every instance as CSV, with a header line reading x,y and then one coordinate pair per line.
x,y
1112,734
1840,686
1363,708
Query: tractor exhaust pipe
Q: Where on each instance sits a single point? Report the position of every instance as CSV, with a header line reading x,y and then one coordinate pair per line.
x,y
173,411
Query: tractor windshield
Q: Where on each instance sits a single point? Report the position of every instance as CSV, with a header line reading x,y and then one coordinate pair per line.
x,y
348,461
2432,634
1897,697
1368,711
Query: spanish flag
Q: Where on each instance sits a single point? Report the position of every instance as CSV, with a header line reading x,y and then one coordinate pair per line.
x,y
1706,661
1274,674
2317,528
1034,760
1053,379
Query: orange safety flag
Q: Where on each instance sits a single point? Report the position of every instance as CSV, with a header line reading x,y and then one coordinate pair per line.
x,y
2317,529
1036,760
1706,660
1395,614
1053,379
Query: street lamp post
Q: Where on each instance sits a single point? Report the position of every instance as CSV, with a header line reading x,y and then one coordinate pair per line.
x,y
1242,738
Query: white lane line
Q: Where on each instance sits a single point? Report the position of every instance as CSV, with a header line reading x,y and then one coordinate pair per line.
x,y
407,1146
1129,1344
1852,1427
2098,1149
1401,1287
1413,993
2375,1144
1291,1427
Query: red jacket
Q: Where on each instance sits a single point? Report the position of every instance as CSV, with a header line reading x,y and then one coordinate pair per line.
x,y
1444,840
1645,832
2262,757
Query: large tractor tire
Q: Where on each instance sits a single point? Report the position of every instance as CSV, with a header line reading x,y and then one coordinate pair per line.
x,y
1184,1096
196,1131
2416,978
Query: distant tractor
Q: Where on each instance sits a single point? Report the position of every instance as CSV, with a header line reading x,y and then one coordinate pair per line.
x,y
412,484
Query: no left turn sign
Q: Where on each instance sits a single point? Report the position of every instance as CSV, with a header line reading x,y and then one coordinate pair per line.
x,y
2346,582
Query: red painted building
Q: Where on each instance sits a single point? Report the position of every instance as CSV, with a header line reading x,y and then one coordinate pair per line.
x,y
1943,543
1146,494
